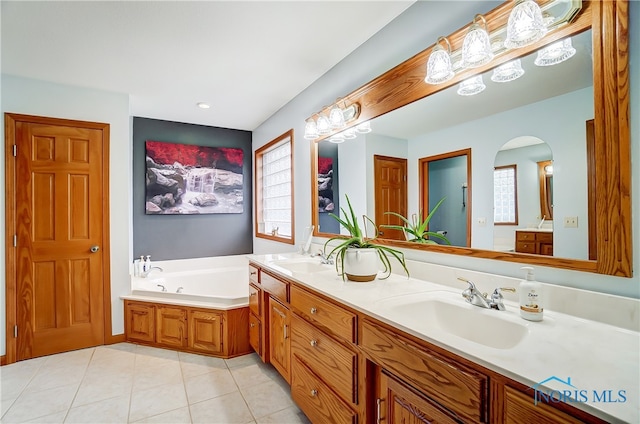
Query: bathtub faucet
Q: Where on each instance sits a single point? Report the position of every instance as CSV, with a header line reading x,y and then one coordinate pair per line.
x,y
179,290
147,272
164,289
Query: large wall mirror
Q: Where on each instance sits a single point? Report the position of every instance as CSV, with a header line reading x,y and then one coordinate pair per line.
x,y
552,105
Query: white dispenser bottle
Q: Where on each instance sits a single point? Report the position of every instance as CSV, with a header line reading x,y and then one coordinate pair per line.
x,y
530,297
147,263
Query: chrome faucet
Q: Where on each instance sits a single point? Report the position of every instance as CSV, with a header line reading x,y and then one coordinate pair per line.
x,y
325,259
475,297
147,272
164,289
179,290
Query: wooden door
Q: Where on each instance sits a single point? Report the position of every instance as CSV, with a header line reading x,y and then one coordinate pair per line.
x,y
171,326
280,345
205,331
60,224
390,180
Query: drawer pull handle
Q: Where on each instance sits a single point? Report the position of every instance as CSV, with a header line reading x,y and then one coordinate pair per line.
x,y
314,392
313,343
313,311
286,327
378,411
252,273
253,324
253,294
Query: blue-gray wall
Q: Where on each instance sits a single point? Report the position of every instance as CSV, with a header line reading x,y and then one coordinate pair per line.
x,y
189,236
445,181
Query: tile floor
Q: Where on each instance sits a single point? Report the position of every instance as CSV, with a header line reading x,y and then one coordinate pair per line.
x,y
126,383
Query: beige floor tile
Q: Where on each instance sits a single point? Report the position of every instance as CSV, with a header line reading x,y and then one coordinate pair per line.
x,y
193,365
41,403
291,415
249,375
227,409
15,377
155,401
177,416
50,376
164,374
146,355
114,410
101,387
210,385
5,404
266,398
73,358
244,360
57,418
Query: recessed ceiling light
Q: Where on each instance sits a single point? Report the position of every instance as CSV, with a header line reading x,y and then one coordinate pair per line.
x,y
203,105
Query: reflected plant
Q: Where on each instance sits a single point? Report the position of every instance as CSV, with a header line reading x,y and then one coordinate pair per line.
x,y
417,227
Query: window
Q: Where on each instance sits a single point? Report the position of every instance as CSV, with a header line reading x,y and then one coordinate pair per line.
x,y
505,197
274,189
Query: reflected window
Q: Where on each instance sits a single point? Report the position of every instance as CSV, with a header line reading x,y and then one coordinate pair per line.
x,y
274,187
505,195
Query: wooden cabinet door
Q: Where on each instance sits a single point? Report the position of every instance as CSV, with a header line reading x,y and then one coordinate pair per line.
x,y
171,326
520,409
205,331
398,403
140,322
255,333
279,341
254,300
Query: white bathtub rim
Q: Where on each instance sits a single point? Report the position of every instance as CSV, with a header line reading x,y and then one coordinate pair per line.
x,y
185,302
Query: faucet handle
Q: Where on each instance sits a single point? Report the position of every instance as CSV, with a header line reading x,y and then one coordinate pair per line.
x,y
496,297
499,290
471,285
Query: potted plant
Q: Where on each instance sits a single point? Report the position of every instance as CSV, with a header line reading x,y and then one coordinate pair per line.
x,y
417,227
357,255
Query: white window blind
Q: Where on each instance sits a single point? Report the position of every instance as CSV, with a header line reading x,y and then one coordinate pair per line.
x,y
276,190
504,195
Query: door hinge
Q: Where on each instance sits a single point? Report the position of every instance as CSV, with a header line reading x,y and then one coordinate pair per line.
x,y
15,150
15,240
15,331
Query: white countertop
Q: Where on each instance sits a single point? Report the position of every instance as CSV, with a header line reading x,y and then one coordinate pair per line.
x,y
597,357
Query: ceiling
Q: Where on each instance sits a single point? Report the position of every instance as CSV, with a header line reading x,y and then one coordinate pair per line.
x,y
246,59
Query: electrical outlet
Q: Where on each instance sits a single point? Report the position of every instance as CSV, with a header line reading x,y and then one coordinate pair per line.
x,y
482,222
571,222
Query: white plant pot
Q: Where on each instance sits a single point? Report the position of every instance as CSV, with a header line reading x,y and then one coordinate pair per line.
x,y
361,265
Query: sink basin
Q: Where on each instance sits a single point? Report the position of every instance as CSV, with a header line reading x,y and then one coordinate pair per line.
x,y
449,313
303,265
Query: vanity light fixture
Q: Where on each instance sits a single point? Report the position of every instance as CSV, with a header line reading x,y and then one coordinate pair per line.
x,y
508,71
548,170
323,125
203,105
555,53
336,117
439,68
363,128
337,139
349,133
471,86
525,25
476,47
310,130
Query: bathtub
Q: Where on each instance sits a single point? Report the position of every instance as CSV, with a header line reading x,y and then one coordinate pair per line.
x,y
203,283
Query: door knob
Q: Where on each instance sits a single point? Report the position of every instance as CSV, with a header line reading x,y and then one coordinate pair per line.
x,y
94,249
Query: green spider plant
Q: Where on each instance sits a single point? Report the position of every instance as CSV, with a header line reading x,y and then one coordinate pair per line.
x,y
357,239
417,227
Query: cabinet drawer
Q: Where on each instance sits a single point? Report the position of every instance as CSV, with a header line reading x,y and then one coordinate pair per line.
x,y
458,389
316,400
325,357
322,313
254,274
519,408
255,299
278,289
544,237
526,247
525,236
255,333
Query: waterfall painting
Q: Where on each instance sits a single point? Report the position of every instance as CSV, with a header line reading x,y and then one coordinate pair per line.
x,y
186,179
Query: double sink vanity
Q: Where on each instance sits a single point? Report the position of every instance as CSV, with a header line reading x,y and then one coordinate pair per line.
x,y
403,347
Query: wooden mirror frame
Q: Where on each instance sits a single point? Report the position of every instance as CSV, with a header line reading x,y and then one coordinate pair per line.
x,y
546,190
608,20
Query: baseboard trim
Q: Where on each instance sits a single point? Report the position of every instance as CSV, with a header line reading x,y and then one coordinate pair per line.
x,y
116,338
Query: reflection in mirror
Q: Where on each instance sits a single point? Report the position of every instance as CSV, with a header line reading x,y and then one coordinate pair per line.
x,y
550,102
545,177
518,217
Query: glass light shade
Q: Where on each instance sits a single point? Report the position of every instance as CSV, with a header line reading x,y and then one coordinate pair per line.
x,y
525,25
337,139
439,67
555,53
363,128
349,133
336,117
508,71
548,169
310,130
323,125
471,86
476,47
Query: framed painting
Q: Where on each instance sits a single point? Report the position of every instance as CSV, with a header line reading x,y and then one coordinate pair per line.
x,y
187,179
325,185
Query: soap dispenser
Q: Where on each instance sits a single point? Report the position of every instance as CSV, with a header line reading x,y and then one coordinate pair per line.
x,y
530,297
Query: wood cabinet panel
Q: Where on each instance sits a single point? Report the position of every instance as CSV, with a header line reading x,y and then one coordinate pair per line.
x,y
171,326
457,388
322,313
254,274
255,334
400,404
520,409
326,357
279,338
205,331
536,242
255,296
277,288
140,322
316,399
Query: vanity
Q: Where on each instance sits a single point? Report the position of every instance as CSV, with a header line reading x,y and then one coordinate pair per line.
x,y
403,349
535,241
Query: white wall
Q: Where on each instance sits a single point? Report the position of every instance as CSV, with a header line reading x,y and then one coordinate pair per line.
x,y
26,96
384,146
410,33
